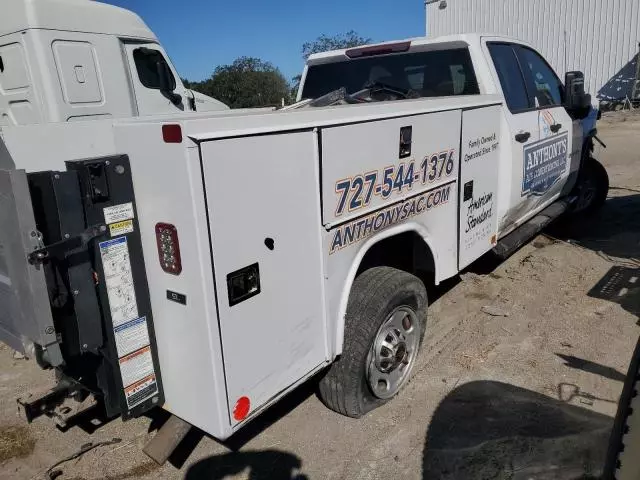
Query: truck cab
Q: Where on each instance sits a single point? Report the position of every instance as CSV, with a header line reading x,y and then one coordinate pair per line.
x,y
75,60
543,139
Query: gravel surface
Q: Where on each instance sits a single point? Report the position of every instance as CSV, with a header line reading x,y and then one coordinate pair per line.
x,y
518,378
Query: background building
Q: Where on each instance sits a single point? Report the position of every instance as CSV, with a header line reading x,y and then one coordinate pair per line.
x,y
598,37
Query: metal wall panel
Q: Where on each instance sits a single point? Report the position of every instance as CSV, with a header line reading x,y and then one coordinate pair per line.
x,y
599,37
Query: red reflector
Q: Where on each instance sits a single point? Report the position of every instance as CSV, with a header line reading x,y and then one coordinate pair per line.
x,y
168,248
378,50
241,410
172,133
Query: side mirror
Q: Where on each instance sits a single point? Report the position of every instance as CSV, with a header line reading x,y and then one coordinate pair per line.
x,y
577,102
167,82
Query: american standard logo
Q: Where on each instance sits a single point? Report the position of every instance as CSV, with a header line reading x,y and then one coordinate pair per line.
x,y
544,164
479,211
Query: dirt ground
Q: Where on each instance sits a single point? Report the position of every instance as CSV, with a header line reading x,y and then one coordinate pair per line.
x,y
528,391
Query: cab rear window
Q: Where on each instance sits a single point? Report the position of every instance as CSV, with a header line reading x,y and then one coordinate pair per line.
x,y
429,74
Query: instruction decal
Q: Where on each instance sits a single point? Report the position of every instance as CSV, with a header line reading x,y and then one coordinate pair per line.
x,y
120,228
139,391
360,229
130,331
118,213
136,366
119,281
131,336
544,163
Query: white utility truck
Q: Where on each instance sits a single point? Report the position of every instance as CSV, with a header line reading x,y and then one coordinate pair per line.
x,y
75,60
209,264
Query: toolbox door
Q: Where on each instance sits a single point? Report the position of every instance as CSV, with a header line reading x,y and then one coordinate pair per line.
x,y
479,157
262,196
26,322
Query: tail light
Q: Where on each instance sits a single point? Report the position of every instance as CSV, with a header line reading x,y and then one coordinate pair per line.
x,y
172,133
168,248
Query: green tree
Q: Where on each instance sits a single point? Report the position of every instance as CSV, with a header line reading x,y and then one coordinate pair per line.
x,y
247,82
325,43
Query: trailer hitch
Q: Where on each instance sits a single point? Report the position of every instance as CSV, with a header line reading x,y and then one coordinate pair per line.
x,y
59,249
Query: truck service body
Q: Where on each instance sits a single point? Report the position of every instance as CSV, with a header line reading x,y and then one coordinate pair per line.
x,y
233,246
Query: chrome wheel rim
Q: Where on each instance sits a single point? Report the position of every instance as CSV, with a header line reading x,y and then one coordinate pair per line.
x,y
393,352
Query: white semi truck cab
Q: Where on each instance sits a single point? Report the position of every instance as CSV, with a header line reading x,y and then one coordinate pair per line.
x,y
76,60
209,264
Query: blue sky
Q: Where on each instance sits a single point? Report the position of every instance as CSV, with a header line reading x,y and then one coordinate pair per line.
x,y
200,34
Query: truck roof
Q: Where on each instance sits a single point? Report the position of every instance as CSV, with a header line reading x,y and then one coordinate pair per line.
x,y
415,43
71,15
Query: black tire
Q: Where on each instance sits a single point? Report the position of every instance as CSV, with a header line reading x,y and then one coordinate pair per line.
x,y
374,295
621,439
593,175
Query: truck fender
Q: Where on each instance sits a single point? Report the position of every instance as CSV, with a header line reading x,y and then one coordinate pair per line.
x,y
588,145
353,270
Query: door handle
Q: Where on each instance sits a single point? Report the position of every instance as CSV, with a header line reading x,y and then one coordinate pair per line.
x,y
555,127
523,136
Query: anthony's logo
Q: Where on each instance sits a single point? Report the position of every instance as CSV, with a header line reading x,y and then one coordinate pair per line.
x,y
545,120
544,163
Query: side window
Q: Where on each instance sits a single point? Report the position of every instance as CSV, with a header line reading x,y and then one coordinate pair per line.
x,y
510,76
146,60
540,78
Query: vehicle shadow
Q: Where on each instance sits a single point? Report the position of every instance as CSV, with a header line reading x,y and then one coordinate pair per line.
x,y
591,367
280,409
612,231
487,429
261,465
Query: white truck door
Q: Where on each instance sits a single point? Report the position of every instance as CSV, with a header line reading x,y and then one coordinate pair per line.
x,y
520,131
142,59
549,162
479,158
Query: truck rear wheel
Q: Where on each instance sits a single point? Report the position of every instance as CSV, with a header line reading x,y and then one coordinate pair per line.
x,y
593,187
384,328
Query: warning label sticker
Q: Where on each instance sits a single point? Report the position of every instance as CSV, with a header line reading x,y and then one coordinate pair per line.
x,y
118,213
141,390
118,279
136,366
120,228
131,336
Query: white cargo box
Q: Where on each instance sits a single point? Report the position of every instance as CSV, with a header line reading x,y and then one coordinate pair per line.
x,y
264,189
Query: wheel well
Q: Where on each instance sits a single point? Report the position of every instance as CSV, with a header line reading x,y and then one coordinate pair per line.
x,y
406,251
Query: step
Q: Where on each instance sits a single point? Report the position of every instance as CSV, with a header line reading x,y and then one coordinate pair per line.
x,y
521,235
